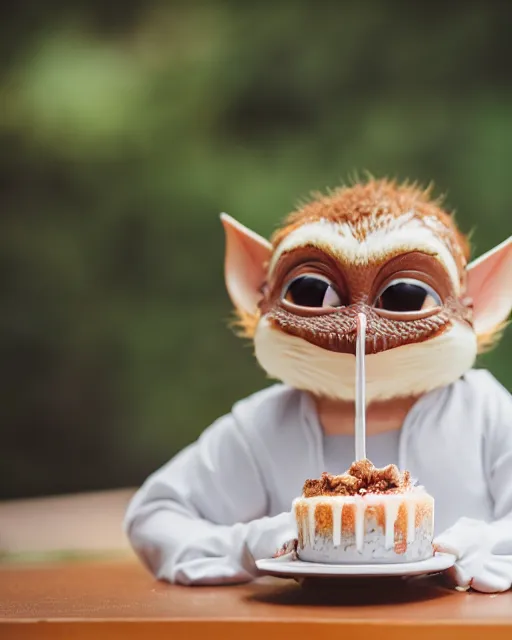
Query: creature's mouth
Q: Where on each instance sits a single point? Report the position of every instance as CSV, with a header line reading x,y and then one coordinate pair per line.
x,y
337,330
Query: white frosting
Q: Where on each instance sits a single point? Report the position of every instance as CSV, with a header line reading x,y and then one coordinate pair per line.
x,y
337,509
417,493
391,508
368,542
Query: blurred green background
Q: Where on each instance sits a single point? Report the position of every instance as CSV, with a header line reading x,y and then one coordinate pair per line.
x,y
127,127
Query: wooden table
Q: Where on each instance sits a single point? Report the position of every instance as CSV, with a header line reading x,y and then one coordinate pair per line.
x,y
120,599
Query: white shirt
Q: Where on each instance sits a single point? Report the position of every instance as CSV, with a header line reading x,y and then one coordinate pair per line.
x,y
381,448
225,500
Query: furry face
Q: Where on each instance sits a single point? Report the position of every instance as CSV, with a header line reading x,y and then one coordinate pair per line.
x,y
402,371
408,298
387,250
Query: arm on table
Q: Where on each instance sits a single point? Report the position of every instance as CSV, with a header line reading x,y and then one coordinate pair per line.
x,y
201,519
484,550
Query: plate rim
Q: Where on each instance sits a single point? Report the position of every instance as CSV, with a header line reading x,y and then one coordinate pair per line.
x,y
283,566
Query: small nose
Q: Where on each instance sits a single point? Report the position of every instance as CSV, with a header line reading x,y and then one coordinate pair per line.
x,y
358,320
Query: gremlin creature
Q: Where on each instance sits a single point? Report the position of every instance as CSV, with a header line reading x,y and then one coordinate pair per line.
x,y
394,253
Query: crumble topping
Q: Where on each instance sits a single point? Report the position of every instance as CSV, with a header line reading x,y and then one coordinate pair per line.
x,y
362,477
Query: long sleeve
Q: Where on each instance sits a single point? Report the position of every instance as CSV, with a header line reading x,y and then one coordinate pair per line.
x,y
201,519
498,450
484,549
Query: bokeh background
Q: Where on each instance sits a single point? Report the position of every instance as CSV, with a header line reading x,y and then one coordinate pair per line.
x,y
127,127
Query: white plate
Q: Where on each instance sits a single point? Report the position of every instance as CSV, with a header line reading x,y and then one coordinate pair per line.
x,y
287,567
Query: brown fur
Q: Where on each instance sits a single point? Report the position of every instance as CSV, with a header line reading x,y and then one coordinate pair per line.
x,y
245,324
487,341
367,206
245,327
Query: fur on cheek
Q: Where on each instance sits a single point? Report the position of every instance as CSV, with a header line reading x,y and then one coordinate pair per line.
x,y
411,369
336,331
246,324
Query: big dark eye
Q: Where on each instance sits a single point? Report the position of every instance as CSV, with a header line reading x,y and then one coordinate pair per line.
x,y
311,291
407,295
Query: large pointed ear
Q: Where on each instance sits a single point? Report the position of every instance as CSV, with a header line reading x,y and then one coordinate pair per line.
x,y
246,262
490,287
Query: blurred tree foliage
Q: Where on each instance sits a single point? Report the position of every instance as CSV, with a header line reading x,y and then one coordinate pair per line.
x,y
127,127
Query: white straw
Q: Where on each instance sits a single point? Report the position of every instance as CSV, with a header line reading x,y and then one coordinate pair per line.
x,y
360,388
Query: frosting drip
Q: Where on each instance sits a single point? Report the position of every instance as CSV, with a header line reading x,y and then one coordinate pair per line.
x,y
337,510
352,516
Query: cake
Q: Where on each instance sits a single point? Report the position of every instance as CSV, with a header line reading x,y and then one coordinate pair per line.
x,y
366,515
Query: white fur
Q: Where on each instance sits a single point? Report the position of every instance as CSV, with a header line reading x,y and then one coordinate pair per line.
x,y
409,370
408,234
